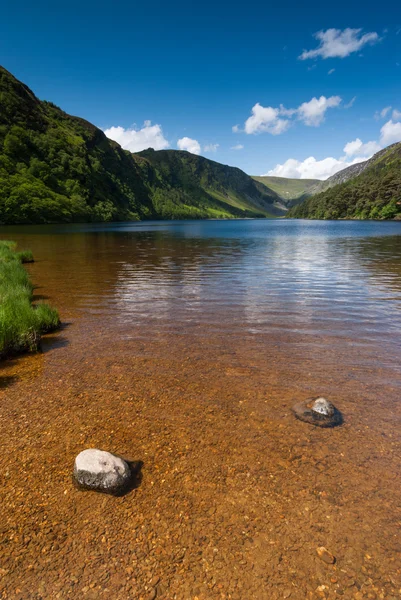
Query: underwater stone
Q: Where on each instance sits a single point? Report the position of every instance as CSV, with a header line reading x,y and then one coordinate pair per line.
x,y
323,407
101,471
319,412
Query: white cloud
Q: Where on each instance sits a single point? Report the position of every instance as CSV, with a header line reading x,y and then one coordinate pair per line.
x,y
237,147
331,71
354,152
357,148
390,133
312,112
265,118
337,43
235,128
270,119
310,168
135,140
189,144
211,147
287,112
396,115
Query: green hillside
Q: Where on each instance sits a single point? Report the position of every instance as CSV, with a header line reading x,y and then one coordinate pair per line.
x,y
59,168
374,193
291,191
206,180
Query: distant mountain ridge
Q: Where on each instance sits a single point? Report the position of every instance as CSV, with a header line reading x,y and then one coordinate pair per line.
x,y
199,175
366,190
58,168
291,191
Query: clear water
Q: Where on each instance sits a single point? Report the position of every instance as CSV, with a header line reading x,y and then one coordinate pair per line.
x,y
185,345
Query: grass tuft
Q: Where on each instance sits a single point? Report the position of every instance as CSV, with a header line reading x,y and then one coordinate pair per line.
x,y
21,322
25,256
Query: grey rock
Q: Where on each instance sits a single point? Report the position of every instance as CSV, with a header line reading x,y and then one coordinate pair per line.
x,y
323,407
101,471
319,412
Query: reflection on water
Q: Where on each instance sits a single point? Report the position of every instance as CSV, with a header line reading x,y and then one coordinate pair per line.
x,y
242,277
317,284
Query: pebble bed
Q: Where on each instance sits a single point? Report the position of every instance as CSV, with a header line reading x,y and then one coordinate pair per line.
x,y
235,495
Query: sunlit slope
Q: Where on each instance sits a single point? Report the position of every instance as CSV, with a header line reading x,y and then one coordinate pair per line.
x,y
289,190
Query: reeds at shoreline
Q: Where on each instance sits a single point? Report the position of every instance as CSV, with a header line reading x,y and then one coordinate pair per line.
x,y
21,322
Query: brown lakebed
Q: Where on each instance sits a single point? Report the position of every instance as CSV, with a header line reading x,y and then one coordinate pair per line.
x,y
185,347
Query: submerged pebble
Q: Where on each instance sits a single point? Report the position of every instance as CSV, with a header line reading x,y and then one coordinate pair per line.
x,y
318,411
101,471
325,555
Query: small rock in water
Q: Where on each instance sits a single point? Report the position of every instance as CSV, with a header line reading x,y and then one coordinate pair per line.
x,y
101,471
325,555
323,407
318,411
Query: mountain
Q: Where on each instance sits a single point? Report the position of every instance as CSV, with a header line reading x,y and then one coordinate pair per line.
x,y
367,190
58,168
207,180
350,172
291,191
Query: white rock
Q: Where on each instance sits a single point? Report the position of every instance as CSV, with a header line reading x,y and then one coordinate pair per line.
x,y
323,407
101,471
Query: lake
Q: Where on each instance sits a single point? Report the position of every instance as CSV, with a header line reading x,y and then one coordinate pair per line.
x,y
184,345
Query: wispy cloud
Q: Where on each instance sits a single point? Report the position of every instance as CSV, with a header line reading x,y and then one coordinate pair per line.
x,y
350,103
237,147
381,114
337,43
211,147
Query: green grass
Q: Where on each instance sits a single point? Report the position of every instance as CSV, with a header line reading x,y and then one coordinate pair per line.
x,y
21,322
25,256
289,189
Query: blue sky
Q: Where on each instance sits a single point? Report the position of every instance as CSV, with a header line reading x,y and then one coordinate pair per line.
x,y
167,71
